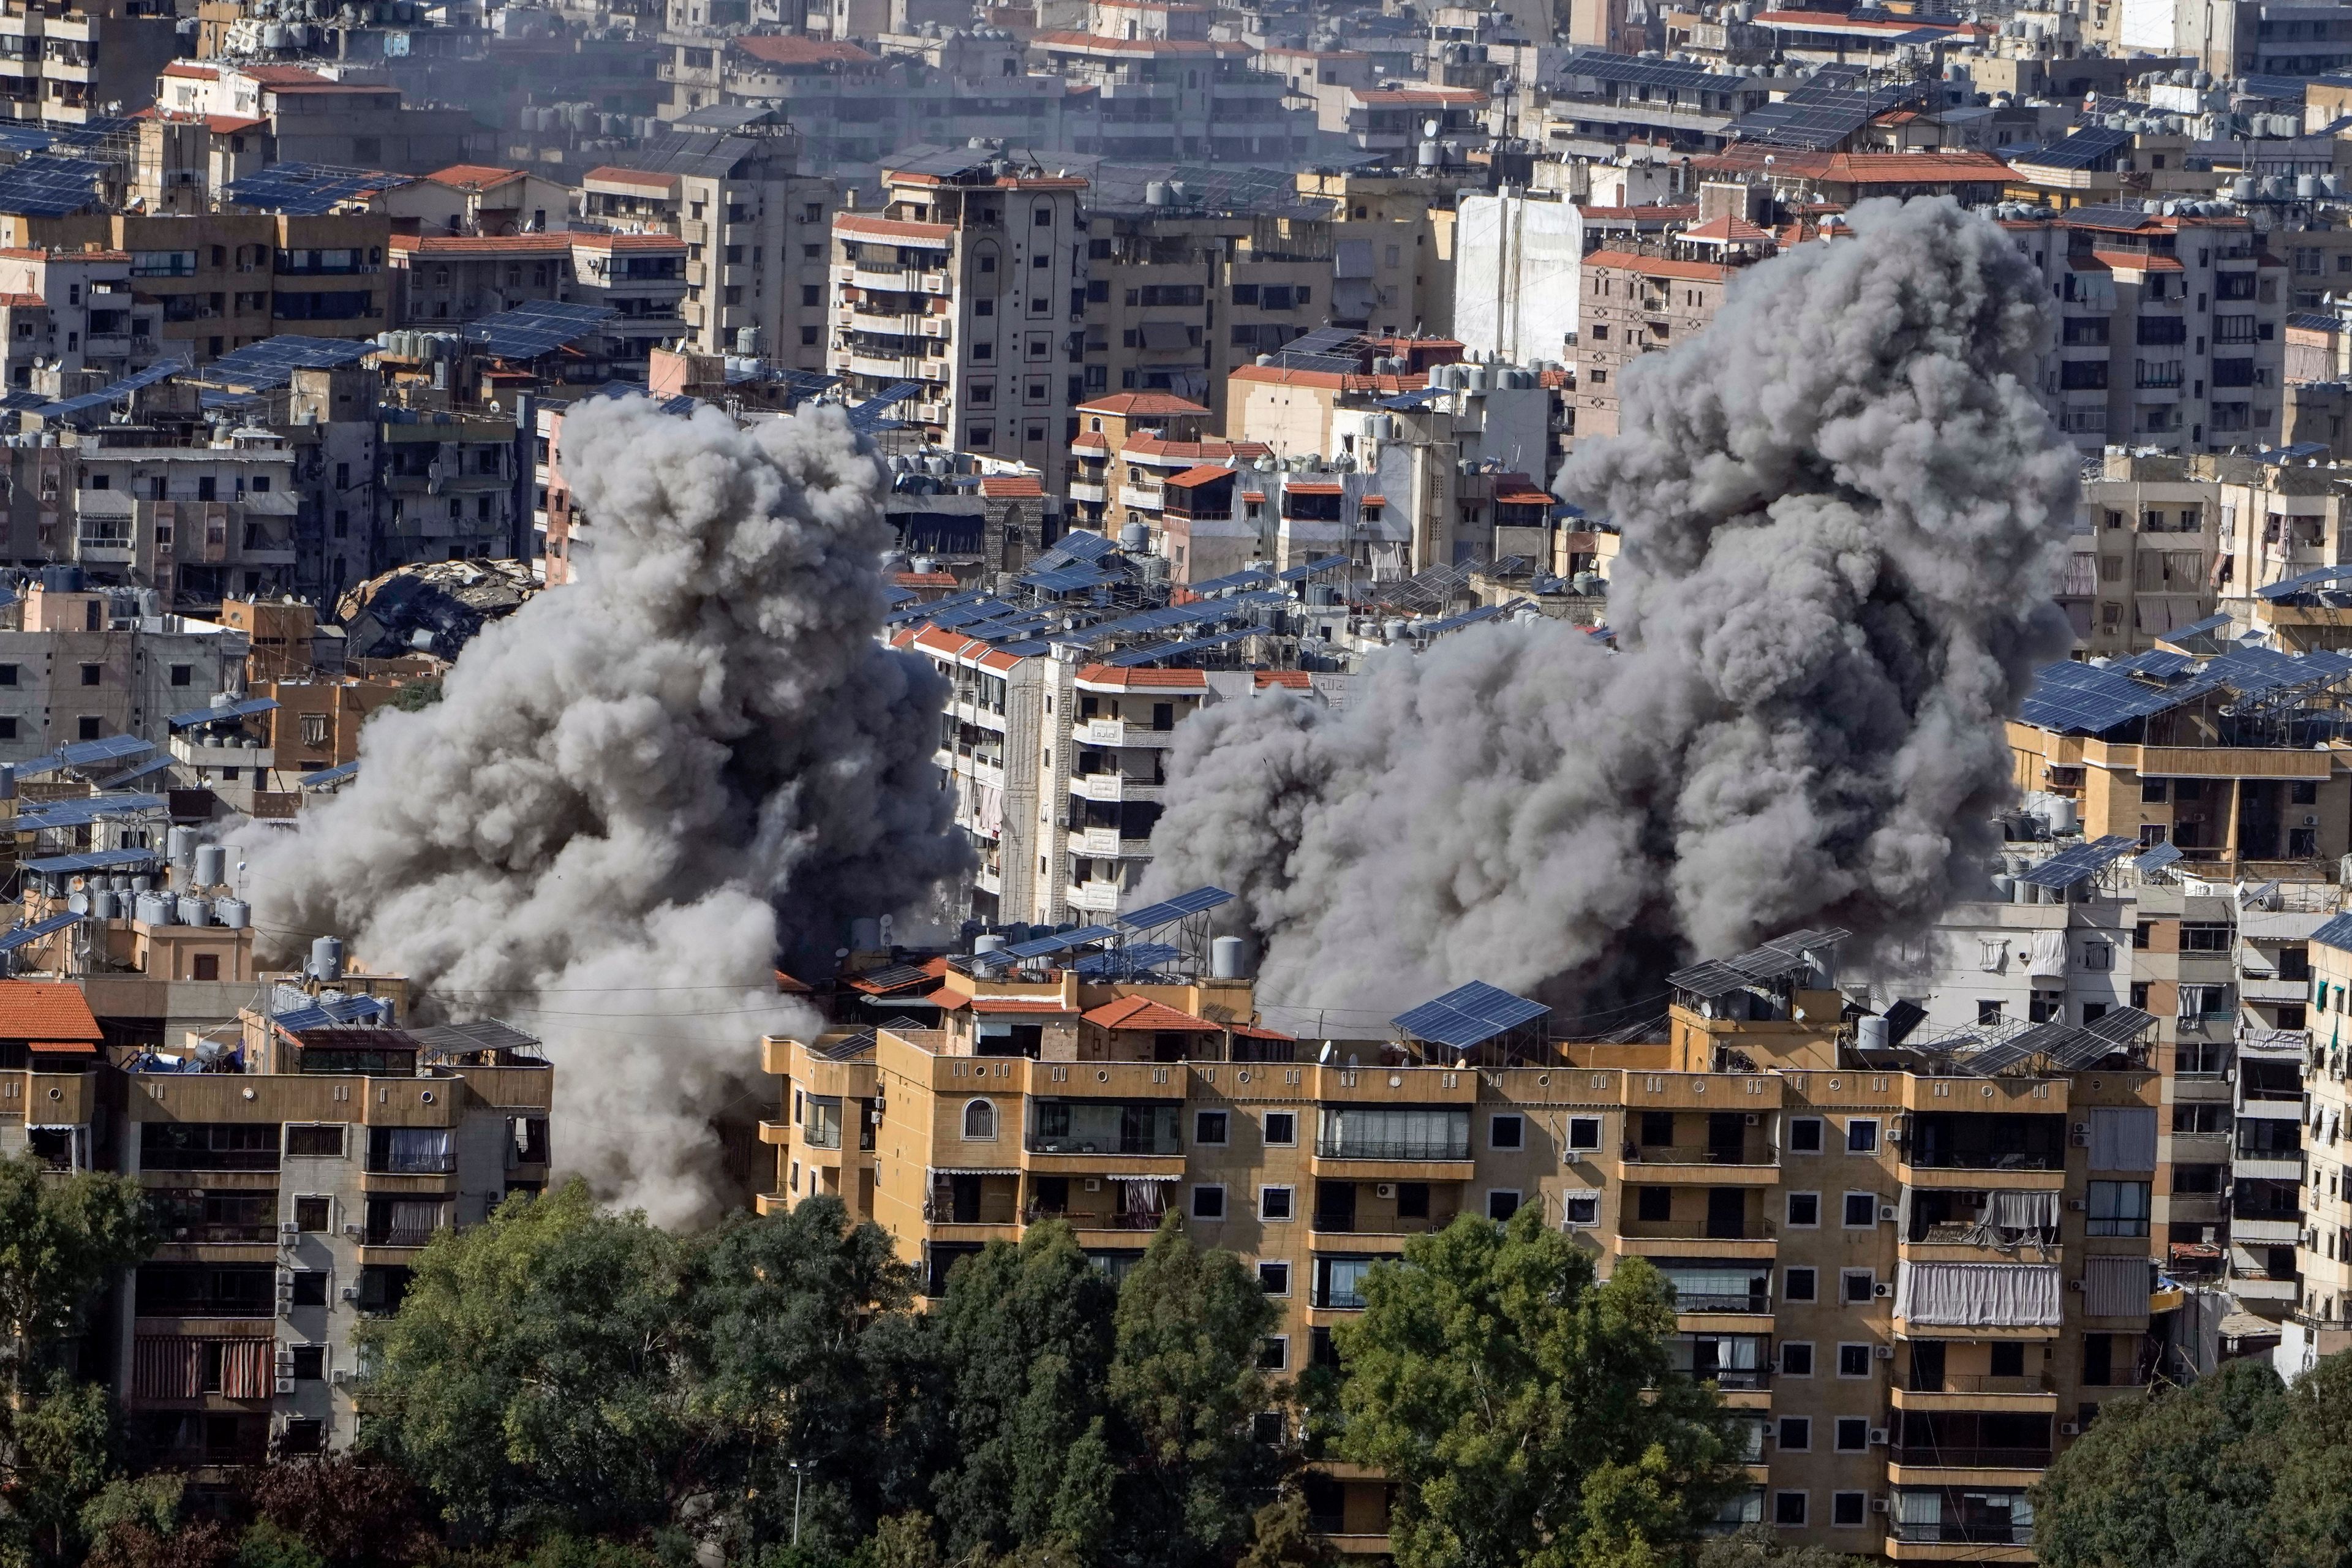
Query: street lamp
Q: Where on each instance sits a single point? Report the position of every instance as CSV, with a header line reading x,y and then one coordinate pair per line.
x,y
798,1478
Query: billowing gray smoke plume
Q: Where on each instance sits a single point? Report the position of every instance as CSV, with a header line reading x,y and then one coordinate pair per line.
x,y
639,788
1841,510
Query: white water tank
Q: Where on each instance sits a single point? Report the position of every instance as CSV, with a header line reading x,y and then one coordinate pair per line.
x,y
1227,958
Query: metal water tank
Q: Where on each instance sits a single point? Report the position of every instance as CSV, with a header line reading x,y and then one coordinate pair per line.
x,y
2307,187
233,913
195,911
327,958
1227,958
165,907
211,865
865,934
2063,818
1395,630
1134,536
1872,1033
106,904
180,846
2004,888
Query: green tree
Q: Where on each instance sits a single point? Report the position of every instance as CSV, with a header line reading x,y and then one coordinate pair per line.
x,y
1026,1333
350,1511
804,1350
1755,1546
530,1380
1283,1535
1185,1384
2311,1501
2175,1479
1528,1416
62,1240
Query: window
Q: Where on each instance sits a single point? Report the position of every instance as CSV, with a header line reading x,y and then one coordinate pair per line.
x,y
1506,1132
313,1213
1282,1126
1805,1135
1274,1278
1502,1203
86,728
1853,1361
1861,1136
1789,1509
1861,1210
1796,1359
7,675
979,1121
92,674
204,966
2118,1208
1581,1210
1209,1202
309,1287
1801,1286
1274,1203
1653,1204
1847,1509
1796,1434
314,1142
309,1363
184,675
1274,1354
1209,1127
1857,1286
1583,1132
2205,936
1804,1210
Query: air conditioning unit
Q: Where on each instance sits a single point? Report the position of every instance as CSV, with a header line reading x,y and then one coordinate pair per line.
x,y
288,1231
1889,1212
2076,1205
351,1292
1094,1183
2310,819
1895,1136
1882,1291
351,1231
1881,1352
341,1378
2075,1285
1754,1119
1878,1437
1878,1505
2069,1428
285,1386
1384,1190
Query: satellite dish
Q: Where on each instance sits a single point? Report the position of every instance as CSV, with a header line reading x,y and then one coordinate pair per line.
x,y
1431,127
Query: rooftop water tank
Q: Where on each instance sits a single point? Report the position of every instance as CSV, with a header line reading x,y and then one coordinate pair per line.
x,y
1872,1033
233,913
195,911
211,865
1134,536
327,958
1226,958
180,846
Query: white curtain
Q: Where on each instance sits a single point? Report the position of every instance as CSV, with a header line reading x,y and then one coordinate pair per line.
x,y
2009,1213
1915,1507
2047,957
2123,1138
1985,1295
2115,1287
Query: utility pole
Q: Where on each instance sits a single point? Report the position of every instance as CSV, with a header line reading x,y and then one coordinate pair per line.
x,y
798,1477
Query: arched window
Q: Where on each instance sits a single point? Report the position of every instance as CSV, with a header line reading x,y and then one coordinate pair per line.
x,y
980,1120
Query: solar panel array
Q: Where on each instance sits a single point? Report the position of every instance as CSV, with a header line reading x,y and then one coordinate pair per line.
x,y
113,393
1631,70
1078,544
1183,906
2082,697
896,977
2074,864
1059,942
91,860
874,414
2084,149
1468,1015
82,754
1069,579
2156,664
1312,568
1125,963
151,765
272,362
2334,931
2302,583
1407,401
37,930
221,712
327,778
1780,957
540,328
1426,629
44,186
2158,858
81,813
19,138
1128,659
2195,628
1250,577
309,190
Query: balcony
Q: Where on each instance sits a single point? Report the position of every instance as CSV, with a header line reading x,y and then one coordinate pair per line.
x,y
1689,1165
1440,1148
201,753
102,548
1095,897
1119,733
1116,788
1142,498
1089,490
1943,1456
397,1236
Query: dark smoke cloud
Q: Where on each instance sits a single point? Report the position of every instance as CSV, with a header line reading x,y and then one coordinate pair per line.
x,y
1841,510
639,788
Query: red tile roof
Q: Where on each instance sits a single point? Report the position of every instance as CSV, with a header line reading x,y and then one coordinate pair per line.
x,y
51,1011
1142,1013
1297,679
780,49
1134,404
1166,680
474,176
790,986
924,578
936,235
1655,267
481,244
1202,474
1258,1032
1012,485
1728,230
614,174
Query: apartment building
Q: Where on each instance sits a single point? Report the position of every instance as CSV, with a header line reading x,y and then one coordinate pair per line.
x,y
2146,533
87,61
642,278
1169,94
2320,1323
73,313
2171,331
82,664
302,1161
1915,1272
728,183
1642,296
455,487
967,285
440,279
310,117
197,515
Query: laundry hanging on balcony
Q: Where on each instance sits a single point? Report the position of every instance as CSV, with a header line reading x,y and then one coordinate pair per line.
x,y
1981,1295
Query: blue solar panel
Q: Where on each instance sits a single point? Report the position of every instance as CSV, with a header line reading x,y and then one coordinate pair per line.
x,y
2068,696
1409,400
1183,906
1425,629
2158,858
540,328
873,414
1468,1015
1060,941
2309,581
1126,659
309,190
15,136
894,595
82,812
245,708
2156,664
151,765
1252,578
2071,865
115,393
47,186
1119,963
82,754
327,778
91,860
273,360
932,611
2336,932
1069,579
1300,573
2195,628
15,939
1076,545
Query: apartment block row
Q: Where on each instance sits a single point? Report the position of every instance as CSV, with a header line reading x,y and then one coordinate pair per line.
x,y
1914,1270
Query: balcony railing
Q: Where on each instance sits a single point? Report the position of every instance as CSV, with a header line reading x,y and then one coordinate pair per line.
x,y
1691,1154
1944,1456
1955,1384
1346,1298
221,1233
1981,1160
1393,1225
1685,1302
396,1235
1032,1214
1041,1143
1437,1148
1963,1533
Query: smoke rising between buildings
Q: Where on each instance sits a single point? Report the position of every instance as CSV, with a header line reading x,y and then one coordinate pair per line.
x,y
1840,512
638,791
